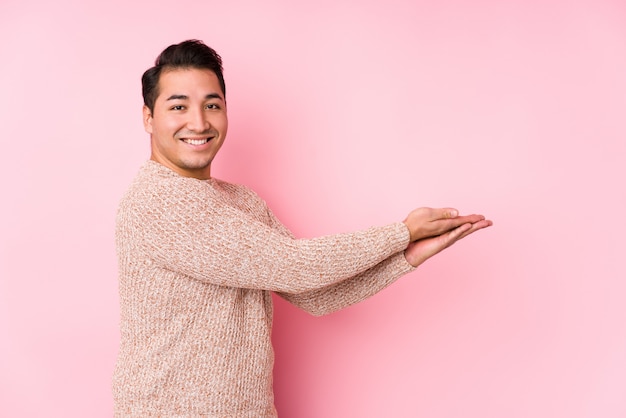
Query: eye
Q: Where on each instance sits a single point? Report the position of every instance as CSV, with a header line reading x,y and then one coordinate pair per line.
x,y
177,107
213,106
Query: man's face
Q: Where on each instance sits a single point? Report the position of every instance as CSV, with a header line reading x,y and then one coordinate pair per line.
x,y
189,123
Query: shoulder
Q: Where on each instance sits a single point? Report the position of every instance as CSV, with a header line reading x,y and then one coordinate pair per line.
x,y
158,186
237,190
243,198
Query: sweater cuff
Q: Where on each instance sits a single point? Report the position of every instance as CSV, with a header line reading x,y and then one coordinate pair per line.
x,y
400,264
403,235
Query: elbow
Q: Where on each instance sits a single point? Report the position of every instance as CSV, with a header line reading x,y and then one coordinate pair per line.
x,y
308,303
318,311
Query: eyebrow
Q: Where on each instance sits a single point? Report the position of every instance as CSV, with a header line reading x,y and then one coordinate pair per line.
x,y
185,97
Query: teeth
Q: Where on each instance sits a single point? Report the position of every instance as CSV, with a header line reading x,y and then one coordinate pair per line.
x,y
196,141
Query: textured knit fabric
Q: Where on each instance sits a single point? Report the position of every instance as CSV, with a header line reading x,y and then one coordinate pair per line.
x,y
197,262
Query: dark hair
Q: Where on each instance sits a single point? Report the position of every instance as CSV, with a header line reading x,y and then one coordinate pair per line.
x,y
188,54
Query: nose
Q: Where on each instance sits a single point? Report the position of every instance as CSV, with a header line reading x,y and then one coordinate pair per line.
x,y
198,121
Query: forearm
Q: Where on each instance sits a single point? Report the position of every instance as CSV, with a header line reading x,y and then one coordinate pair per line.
x,y
356,289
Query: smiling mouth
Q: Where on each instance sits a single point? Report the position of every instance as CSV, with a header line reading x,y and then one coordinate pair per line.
x,y
196,141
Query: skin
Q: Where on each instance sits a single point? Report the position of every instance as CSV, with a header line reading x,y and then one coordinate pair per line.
x,y
188,127
190,107
434,230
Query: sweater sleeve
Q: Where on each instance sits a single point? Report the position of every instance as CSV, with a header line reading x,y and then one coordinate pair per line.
x,y
182,225
353,290
335,297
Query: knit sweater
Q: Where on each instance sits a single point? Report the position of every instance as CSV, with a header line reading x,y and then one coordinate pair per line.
x,y
197,262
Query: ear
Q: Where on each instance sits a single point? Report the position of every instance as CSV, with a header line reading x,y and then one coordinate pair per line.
x,y
147,119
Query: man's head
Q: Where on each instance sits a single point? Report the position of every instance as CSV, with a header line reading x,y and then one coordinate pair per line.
x,y
188,54
185,108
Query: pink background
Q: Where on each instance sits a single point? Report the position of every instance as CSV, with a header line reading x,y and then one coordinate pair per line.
x,y
344,114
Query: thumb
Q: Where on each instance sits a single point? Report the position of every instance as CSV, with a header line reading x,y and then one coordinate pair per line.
x,y
445,213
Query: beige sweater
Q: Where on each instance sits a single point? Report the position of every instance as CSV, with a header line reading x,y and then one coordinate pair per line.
x,y
197,262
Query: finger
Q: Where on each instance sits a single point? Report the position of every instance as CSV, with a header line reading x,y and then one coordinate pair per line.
x,y
451,224
476,227
443,213
459,232
450,213
469,218
452,236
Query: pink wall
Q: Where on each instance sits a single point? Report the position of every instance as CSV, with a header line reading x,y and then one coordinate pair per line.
x,y
343,114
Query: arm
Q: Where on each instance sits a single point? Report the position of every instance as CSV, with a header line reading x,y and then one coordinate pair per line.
x,y
184,226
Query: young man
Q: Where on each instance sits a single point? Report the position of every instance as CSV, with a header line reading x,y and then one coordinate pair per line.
x,y
198,258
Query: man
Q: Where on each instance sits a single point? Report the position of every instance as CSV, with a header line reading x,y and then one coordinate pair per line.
x,y
198,258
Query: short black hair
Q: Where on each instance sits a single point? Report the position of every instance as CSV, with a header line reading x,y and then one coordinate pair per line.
x,y
187,54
